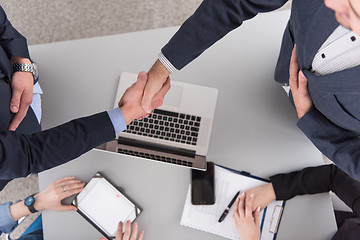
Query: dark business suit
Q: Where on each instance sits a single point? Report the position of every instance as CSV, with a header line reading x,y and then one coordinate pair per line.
x,y
333,125
12,43
27,150
321,179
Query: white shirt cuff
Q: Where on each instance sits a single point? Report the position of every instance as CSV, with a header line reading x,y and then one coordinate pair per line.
x,y
166,63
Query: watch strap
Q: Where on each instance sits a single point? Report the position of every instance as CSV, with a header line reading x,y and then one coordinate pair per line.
x,y
31,207
23,67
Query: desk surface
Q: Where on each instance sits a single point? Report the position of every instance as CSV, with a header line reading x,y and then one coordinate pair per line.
x,y
254,127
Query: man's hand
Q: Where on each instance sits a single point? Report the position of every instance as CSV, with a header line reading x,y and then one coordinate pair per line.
x,y
130,103
50,198
157,80
22,93
247,222
126,235
298,86
263,195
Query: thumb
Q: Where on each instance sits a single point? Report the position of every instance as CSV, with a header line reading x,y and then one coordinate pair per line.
x,y
302,82
151,89
141,80
67,208
15,100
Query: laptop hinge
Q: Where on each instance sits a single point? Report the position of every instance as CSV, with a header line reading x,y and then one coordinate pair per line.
x,y
156,147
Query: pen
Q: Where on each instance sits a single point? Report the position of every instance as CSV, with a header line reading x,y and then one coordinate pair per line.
x,y
226,211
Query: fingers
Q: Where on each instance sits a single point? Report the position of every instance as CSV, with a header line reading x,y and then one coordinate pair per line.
x,y
303,82
141,235
236,208
67,208
153,86
134,231
257,216
141,80
73,190
126,235
15,100
236,215
69,186
127,230
159,97
119,231
293,70
241,205
248,208
63,179
24,100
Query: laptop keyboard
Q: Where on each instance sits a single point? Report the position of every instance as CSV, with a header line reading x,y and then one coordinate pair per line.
x,y
167,125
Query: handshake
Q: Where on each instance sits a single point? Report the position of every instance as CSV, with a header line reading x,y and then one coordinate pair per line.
x,y
131,103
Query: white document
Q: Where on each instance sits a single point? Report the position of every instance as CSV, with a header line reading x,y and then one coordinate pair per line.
x,y
227,184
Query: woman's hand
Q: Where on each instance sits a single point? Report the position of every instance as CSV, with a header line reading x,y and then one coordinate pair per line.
x,y
247,222
50,198
126,235
263,195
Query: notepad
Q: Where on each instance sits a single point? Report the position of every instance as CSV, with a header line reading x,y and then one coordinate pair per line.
x,y
104,206
227,184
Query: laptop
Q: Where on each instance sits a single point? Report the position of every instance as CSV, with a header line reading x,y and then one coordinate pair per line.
x,y
177,133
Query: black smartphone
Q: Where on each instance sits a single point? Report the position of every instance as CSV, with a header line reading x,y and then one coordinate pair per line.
x,y
202,186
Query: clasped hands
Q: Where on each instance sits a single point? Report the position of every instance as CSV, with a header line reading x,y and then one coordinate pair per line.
x,y
130,103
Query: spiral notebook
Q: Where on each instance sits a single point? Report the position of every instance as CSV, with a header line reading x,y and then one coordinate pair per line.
x,y
227,184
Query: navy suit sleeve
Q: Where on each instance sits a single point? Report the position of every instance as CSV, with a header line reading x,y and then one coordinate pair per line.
x,y
24,154
210,22
13,43
339,145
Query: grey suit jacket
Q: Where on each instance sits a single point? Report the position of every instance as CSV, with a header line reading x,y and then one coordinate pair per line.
x,y
333,125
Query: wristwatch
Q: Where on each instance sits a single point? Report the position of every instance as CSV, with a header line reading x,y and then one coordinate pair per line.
x,y
29,203
23,67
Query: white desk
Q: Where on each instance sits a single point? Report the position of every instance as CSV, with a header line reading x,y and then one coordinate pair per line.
x,y
254,127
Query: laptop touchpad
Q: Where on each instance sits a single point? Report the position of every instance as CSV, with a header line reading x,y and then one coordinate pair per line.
x,y
173,97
